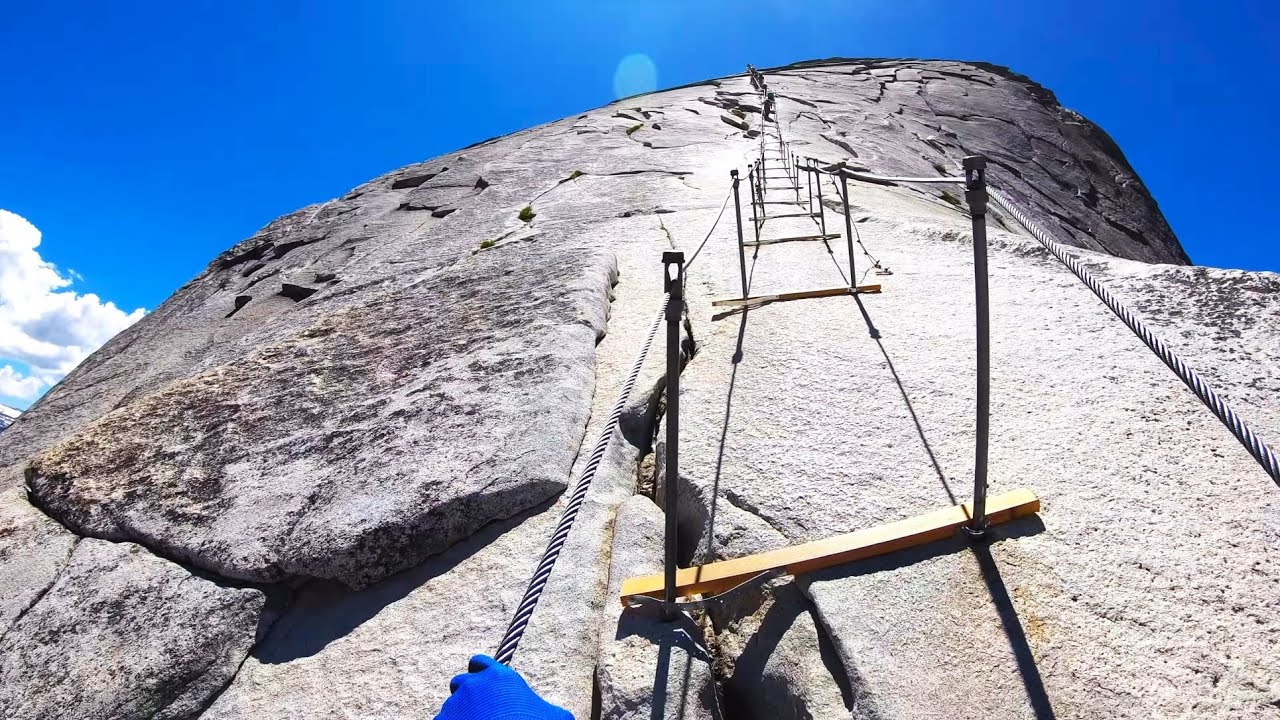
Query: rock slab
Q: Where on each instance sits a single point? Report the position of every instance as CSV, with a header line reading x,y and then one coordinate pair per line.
x,y
247,471
140,637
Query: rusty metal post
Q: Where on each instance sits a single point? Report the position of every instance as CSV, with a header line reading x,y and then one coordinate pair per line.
x,y
808,176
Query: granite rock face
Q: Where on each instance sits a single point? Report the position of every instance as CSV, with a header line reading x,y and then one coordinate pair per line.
x,y
650,668
399,474
33,551
124,634
368,411
917,119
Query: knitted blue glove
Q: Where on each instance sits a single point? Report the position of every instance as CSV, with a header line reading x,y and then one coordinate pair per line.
x,y
492,691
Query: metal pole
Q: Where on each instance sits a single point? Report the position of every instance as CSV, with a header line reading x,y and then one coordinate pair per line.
x,y
848,229
675,313
764,167
756,220
737,212
751,180
795,176
975,182
822,212
808,176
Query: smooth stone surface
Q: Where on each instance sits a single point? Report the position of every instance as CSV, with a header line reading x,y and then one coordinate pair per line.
x,y
843,413
124,634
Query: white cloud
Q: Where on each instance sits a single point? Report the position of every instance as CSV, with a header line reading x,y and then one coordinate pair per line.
x,y
45,325
16,385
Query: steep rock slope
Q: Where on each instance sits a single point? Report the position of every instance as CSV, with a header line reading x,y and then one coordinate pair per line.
x,y
365,413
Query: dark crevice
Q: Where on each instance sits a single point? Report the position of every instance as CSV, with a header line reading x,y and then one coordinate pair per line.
x,y
813,115
414,181
285,248
798,100
650,211
260,278
1134,235
255,253
240,302
840,143
296,293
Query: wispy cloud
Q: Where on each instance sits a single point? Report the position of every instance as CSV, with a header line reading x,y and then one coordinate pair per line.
x,y
45,326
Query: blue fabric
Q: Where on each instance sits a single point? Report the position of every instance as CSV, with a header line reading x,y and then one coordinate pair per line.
x,y
490,690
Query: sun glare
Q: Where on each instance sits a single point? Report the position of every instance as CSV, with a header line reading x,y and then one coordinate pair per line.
x,y
634,75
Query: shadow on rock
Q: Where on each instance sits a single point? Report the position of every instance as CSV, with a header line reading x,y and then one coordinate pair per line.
x,y
325,611
657,669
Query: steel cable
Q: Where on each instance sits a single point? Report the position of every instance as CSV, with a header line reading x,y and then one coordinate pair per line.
x,y
524,612
533,593
1254,444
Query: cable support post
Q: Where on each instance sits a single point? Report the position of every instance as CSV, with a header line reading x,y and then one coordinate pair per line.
x,y
737,213
758,188
822,211
848,230
975,183
670,494
808,176
795,175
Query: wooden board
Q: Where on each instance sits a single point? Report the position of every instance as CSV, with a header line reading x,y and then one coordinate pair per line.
x,y
788,215
882,539
782,202
759,299
797,238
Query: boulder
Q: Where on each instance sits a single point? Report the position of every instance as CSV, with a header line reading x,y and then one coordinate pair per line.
x,y
439,383
740,123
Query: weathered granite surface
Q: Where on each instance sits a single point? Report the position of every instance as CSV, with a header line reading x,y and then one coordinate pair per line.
x,y
33,551
246,470
124,634
376,400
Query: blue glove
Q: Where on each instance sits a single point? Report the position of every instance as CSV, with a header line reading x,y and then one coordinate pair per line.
x,y
492,691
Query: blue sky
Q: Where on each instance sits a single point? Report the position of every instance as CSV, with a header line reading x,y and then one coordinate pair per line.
x,y
143,138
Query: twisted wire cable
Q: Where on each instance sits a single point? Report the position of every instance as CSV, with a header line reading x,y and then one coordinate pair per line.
x,y
533,593
524,612
1254,444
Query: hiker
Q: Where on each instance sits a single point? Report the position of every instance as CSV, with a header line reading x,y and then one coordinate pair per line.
x,y
768,105
490,690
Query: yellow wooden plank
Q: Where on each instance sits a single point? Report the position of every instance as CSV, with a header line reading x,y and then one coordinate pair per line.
x,y
882,539
780,297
